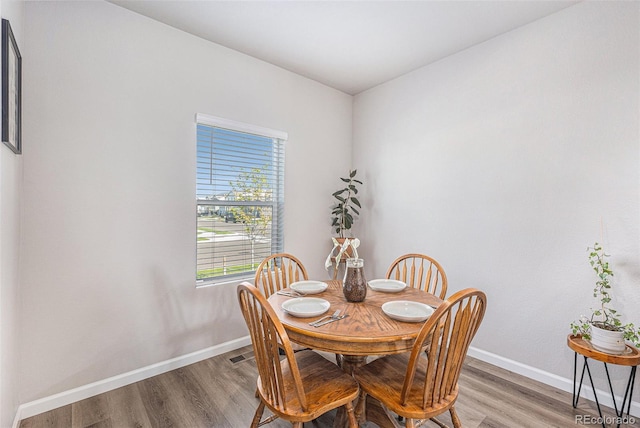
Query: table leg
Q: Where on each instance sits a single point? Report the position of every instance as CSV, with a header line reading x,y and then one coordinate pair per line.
x,y
349,363
379,415
627,394
574,402
594,392
632,379
371,408
576,396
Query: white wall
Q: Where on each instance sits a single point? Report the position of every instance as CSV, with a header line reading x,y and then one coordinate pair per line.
x,y
108,255
10,185
501,162
10,197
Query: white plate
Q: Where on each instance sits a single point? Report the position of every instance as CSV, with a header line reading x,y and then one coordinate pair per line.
x,y
306,306
387,285
404,310
308,287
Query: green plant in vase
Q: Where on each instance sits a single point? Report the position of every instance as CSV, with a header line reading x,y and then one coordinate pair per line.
x,y
604,318
342,213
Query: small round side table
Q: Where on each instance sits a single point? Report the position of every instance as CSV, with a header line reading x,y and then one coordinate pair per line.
x,y
631,358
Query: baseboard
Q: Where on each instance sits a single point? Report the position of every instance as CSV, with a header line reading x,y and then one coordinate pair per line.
x,y
564,384
17,419
67,397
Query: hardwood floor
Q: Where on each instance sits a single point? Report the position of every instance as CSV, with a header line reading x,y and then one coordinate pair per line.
x,y
219,392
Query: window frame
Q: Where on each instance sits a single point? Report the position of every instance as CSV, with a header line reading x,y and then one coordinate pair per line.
x,y
277,227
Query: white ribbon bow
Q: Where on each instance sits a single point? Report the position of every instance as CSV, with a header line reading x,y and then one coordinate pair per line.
x,y
353,243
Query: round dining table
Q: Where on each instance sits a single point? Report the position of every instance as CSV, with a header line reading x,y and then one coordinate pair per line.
x,y
366,331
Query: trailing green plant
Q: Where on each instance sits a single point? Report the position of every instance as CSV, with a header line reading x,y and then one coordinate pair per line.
x,y
605,316
342,212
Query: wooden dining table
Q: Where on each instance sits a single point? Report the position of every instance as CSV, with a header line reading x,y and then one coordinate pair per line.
x,y
366,332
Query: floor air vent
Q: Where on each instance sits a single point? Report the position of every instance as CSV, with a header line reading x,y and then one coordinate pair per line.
x,y
242,357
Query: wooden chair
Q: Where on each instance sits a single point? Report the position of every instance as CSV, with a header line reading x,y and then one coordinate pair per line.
x,y
416,386
277,272
420,271
302,386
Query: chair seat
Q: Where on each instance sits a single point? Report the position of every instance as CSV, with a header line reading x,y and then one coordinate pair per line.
x,y
326,387
383,379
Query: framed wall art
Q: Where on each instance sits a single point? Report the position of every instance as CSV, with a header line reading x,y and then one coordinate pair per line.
x,y
11,90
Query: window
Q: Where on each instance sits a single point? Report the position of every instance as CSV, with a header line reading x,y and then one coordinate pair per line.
x,y
239,197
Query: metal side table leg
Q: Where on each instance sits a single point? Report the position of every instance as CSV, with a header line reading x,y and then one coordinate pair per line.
x,y
629,358
632,379
595,395
627,394
576,396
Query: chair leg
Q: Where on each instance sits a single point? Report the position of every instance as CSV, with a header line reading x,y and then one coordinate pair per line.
x,y
256,418
361,406
298,425
454,417
437,422
353,422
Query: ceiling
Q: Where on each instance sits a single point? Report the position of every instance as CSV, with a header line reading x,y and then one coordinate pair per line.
x,y
348,45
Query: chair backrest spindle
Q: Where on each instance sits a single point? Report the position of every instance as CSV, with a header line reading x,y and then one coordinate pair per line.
x,y
447,334
278,271
419,271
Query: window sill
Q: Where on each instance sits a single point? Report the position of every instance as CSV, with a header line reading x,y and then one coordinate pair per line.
x,y
233,281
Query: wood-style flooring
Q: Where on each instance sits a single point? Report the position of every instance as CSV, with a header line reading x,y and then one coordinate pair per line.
x,y
219,392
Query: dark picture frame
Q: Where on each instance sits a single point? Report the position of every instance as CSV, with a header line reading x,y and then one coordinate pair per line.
x,y
11,90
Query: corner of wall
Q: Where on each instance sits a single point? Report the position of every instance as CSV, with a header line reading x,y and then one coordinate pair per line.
x,y
10,197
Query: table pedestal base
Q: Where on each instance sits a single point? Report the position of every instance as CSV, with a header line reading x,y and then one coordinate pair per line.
x,y
371,409
348,364
378,414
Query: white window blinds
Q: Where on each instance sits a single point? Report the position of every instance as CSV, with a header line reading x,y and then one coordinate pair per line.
x,y
239,196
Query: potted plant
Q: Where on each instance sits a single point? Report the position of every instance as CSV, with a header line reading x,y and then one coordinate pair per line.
x,y
604,329
342,218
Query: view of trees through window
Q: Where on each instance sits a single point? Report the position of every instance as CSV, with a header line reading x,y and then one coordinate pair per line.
x,y
239,195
